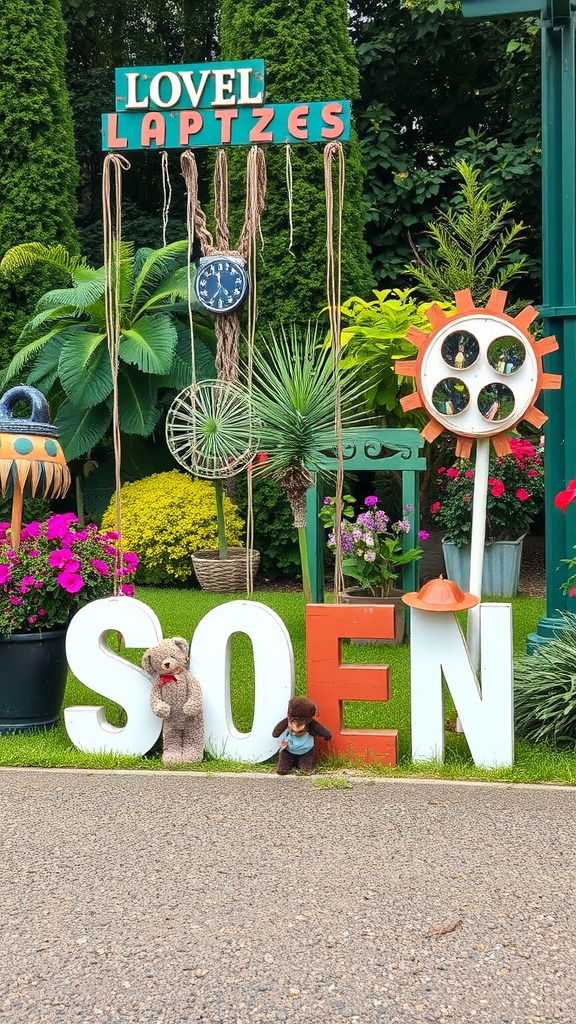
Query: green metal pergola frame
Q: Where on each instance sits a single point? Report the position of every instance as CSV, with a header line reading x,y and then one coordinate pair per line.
x,y
558,21
373,449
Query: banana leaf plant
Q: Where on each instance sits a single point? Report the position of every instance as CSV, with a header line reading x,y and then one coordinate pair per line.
x,y
64,346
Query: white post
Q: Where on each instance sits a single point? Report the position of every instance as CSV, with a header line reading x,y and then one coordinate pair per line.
x,y
477,540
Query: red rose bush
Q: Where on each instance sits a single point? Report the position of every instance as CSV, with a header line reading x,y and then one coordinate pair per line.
x,y
515,494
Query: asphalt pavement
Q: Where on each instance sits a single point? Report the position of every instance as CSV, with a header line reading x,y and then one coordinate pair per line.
x,y
163,897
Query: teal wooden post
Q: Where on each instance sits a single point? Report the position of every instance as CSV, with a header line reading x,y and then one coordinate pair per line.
x,y
372,449
558,272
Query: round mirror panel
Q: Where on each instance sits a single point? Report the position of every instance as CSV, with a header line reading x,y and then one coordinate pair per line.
x,y
450,396
496,402
460,349
506,354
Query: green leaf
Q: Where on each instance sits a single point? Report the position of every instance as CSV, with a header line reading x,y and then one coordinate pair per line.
x,y
149,344
80,296
23,257
84,368
180,375
81,429
44,371
137,399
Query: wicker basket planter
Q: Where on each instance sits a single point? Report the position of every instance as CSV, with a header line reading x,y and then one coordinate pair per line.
x,y
224,575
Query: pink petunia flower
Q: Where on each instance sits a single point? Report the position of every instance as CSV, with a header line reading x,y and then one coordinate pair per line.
x,y
100,566
61,557
127,590
32,530
452,473
70,581
522,494
57,525
5,573
131,560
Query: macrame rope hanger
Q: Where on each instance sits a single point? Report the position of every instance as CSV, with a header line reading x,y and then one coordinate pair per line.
x,y
334,159
227,326
114,165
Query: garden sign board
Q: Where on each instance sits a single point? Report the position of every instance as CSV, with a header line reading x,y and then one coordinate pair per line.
x,y
218,104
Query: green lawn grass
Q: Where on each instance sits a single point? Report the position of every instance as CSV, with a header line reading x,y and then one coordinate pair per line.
x,y
179,611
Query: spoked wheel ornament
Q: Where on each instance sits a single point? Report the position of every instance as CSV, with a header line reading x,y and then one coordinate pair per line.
x,y
210,429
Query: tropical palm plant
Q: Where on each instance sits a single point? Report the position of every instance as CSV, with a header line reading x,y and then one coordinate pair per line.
x,y
294,386
65,346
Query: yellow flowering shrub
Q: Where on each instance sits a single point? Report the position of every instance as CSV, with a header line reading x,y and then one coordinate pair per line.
x,y
166,517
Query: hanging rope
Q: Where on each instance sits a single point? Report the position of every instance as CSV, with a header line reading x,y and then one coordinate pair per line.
x,y
190,175
290,191
166,194
255,193
334,152
114,164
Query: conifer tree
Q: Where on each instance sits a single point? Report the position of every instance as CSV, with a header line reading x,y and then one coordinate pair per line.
x,y
38,170
308,56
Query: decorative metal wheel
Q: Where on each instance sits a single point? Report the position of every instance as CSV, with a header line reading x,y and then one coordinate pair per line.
x,y
210,429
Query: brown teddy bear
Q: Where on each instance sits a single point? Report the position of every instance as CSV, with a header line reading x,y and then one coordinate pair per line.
x,y
177,698
298,731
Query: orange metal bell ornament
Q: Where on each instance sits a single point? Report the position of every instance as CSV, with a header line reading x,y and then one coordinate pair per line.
x,y
31,459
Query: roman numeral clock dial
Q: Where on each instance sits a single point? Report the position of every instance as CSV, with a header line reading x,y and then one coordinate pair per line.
x,y
221,283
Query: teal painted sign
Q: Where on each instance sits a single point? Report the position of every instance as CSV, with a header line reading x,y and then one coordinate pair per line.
x,y
189,86
182,106
227,126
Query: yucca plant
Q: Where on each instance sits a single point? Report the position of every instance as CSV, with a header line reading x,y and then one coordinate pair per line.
x,y
65,350
545,688
294,395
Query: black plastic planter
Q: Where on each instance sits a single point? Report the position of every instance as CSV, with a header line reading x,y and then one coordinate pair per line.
x,y
33,671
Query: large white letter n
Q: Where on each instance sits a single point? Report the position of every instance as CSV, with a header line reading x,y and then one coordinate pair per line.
x,y
438,649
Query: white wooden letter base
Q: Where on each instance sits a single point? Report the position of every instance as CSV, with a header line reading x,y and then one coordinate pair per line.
x,y
437,648
113,677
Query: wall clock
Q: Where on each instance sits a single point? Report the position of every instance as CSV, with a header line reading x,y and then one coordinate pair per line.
x,y
221,282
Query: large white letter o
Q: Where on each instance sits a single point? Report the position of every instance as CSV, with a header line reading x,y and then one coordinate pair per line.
x,y
273,670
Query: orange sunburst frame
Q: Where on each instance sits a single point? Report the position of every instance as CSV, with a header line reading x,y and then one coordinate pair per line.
x,y
478,372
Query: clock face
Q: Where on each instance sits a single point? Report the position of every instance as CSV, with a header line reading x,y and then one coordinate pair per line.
x,y
221,283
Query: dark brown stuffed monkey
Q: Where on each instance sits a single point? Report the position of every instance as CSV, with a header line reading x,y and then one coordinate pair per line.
x,y
298,730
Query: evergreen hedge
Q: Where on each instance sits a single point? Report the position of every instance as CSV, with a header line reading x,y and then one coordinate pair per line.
x,y
308,56
38,169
